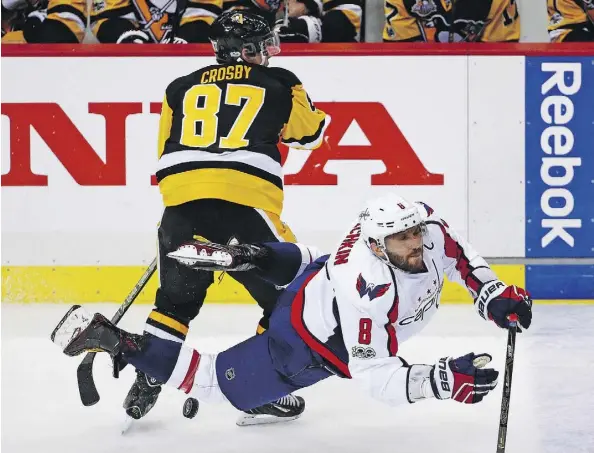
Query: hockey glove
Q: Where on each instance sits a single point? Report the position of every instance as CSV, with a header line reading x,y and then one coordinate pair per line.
x,y
304,29
496,301
463,379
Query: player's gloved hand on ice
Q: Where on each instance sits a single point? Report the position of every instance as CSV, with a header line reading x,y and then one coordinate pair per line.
x,y
305,29
463,379
496,301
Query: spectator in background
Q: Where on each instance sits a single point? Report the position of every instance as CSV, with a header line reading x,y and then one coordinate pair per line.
x,y
571,20
14,19
59,21
156,21
268,9
321,21
440,21
309,21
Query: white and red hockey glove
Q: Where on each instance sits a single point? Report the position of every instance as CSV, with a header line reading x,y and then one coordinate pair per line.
x,y
496,301
463,379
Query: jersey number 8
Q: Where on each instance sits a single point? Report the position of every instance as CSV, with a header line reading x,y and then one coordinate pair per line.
x,y
209,98
365,331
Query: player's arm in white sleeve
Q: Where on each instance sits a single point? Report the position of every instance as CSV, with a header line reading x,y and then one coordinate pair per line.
x,y
370,338
368,328
462,264
493,299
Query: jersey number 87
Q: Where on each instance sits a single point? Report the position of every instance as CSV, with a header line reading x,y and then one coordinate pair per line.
x,y
210,96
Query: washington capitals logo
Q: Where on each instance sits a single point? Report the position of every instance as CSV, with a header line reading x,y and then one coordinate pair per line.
x,y
371,289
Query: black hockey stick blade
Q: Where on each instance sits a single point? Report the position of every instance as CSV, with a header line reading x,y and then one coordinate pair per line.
x,y
84,373
86,385
507,382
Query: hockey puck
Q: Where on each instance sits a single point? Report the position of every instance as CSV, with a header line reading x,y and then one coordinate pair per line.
x,y
191,408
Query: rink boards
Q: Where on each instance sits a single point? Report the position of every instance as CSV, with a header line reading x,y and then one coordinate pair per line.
x,y
499,145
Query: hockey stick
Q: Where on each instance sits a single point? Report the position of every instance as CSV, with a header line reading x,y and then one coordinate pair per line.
x,y
507,382
84,373
285,13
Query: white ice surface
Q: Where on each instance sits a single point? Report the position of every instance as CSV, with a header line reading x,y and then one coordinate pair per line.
x,y
552,408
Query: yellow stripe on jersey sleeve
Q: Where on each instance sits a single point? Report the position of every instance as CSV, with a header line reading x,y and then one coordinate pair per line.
x,y
306,124
187,19
204,10
217,4
164,125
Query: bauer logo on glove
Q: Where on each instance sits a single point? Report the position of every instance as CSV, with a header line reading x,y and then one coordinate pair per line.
x,y
463,379
496,301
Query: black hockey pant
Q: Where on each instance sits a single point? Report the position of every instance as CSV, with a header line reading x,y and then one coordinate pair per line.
x,y
182,290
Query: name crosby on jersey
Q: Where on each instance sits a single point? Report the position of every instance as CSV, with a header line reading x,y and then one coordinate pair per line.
x,y
226,73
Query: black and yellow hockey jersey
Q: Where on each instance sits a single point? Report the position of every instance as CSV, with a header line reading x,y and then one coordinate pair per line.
x,y
53,21
341,19
157,18
571,20
451,21
219,131
14,19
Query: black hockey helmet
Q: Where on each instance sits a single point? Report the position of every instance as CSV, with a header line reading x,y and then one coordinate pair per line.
x,y
234,31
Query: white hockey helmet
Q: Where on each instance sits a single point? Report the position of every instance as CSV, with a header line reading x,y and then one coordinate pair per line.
x,y
387,215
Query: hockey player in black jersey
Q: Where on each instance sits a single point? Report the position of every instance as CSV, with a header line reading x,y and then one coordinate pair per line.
x,y
43,21
571,20
220,177
153,21
308,21
447,21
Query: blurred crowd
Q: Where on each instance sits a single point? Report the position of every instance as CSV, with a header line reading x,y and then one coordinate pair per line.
x,y
301,21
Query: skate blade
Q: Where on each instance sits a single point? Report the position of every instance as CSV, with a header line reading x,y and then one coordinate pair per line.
x,y
263,419
128,422
200,256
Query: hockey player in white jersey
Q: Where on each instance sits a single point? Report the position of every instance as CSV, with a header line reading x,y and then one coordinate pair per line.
x,y
343,314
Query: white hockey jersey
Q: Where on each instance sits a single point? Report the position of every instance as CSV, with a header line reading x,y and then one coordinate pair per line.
x,y
355,310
